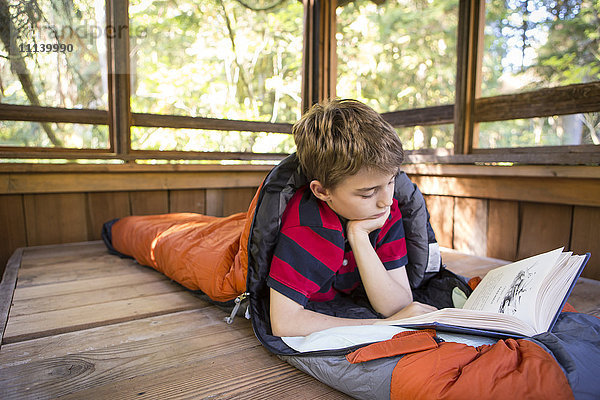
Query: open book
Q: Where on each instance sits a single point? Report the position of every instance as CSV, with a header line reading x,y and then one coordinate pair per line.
x,y
519,299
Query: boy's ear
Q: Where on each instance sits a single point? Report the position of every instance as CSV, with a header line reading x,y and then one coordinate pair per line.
x,y
319,191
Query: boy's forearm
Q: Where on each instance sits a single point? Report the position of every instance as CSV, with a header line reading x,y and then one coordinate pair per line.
x,y
289,318
387,296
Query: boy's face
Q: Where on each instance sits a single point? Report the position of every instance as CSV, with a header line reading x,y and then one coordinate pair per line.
x,y
366,195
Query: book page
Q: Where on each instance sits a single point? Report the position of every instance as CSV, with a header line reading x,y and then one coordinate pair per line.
x,y
513,289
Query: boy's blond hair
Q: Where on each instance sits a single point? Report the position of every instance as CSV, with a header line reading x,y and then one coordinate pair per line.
x,y
338,138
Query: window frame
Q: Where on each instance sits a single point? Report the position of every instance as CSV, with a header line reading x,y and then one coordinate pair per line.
x,y
318,82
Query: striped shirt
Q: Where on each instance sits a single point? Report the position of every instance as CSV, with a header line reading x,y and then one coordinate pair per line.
x,y
313,260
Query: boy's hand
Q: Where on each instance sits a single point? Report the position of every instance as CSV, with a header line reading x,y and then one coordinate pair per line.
x,y
412,310
366,226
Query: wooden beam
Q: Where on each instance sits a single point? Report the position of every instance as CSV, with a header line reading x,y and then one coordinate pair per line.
x,y
319,58
119,76
437,115
62,168
7,288
542,171
76,182
471,22
51,153
571,99
565,155
176,121
572,191
11,112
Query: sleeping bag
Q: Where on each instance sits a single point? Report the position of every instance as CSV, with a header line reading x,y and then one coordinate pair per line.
x,y
228,257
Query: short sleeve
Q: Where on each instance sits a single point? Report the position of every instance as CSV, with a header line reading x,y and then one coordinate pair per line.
x,y
305,261
391,241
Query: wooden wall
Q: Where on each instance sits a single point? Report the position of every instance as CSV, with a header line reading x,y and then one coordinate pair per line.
x,y
501,212
45,205
514,212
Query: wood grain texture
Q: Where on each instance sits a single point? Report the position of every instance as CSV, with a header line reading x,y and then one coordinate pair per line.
x,y
31,326
12,227
103,207
585,237
571,99
55,218
125,180
574,191
470,226
149,202
503,229
544,227
441,211
187,201
7,288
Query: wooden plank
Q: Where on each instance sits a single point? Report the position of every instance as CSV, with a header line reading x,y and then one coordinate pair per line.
x,y
67,373
470,226
575,191
27,327
585,237
12,227
149,202
54,253
544,227
187,201
55,218
139,275
503,229
227,201
585,296
250,374
538,171
214,202
109,336
561,100
13,112
179,121
52,182
7,288
469,265
103,207
56,302
106,168
563,155
441,210
436,115
71,269
237,200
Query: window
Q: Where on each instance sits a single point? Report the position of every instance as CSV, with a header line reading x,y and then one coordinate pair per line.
x,y
537,44
221,80
54,56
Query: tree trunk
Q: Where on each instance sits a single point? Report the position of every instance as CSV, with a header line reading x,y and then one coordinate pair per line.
x,y
19,68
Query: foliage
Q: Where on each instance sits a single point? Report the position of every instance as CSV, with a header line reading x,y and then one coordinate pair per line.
x,y
531,44
400,55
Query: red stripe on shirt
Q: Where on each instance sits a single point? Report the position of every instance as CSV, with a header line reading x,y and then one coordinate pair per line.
x,y
392,251
329,218
288,276
318,247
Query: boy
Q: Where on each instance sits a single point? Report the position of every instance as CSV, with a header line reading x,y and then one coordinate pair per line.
x,y
344,230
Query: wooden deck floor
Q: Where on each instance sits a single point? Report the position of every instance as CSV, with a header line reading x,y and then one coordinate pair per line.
x,y
87,325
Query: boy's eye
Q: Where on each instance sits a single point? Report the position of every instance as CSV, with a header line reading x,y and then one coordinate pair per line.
x,y
367,196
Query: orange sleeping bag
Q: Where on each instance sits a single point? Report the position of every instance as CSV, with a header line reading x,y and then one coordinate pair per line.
x,y
198,251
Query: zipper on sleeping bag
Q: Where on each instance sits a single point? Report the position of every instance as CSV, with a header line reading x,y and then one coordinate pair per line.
x,y
238,302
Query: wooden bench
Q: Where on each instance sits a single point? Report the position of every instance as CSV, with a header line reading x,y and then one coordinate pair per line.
x,y
84,324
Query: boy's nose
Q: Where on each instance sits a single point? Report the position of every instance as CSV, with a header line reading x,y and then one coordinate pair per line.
x,y
385,201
